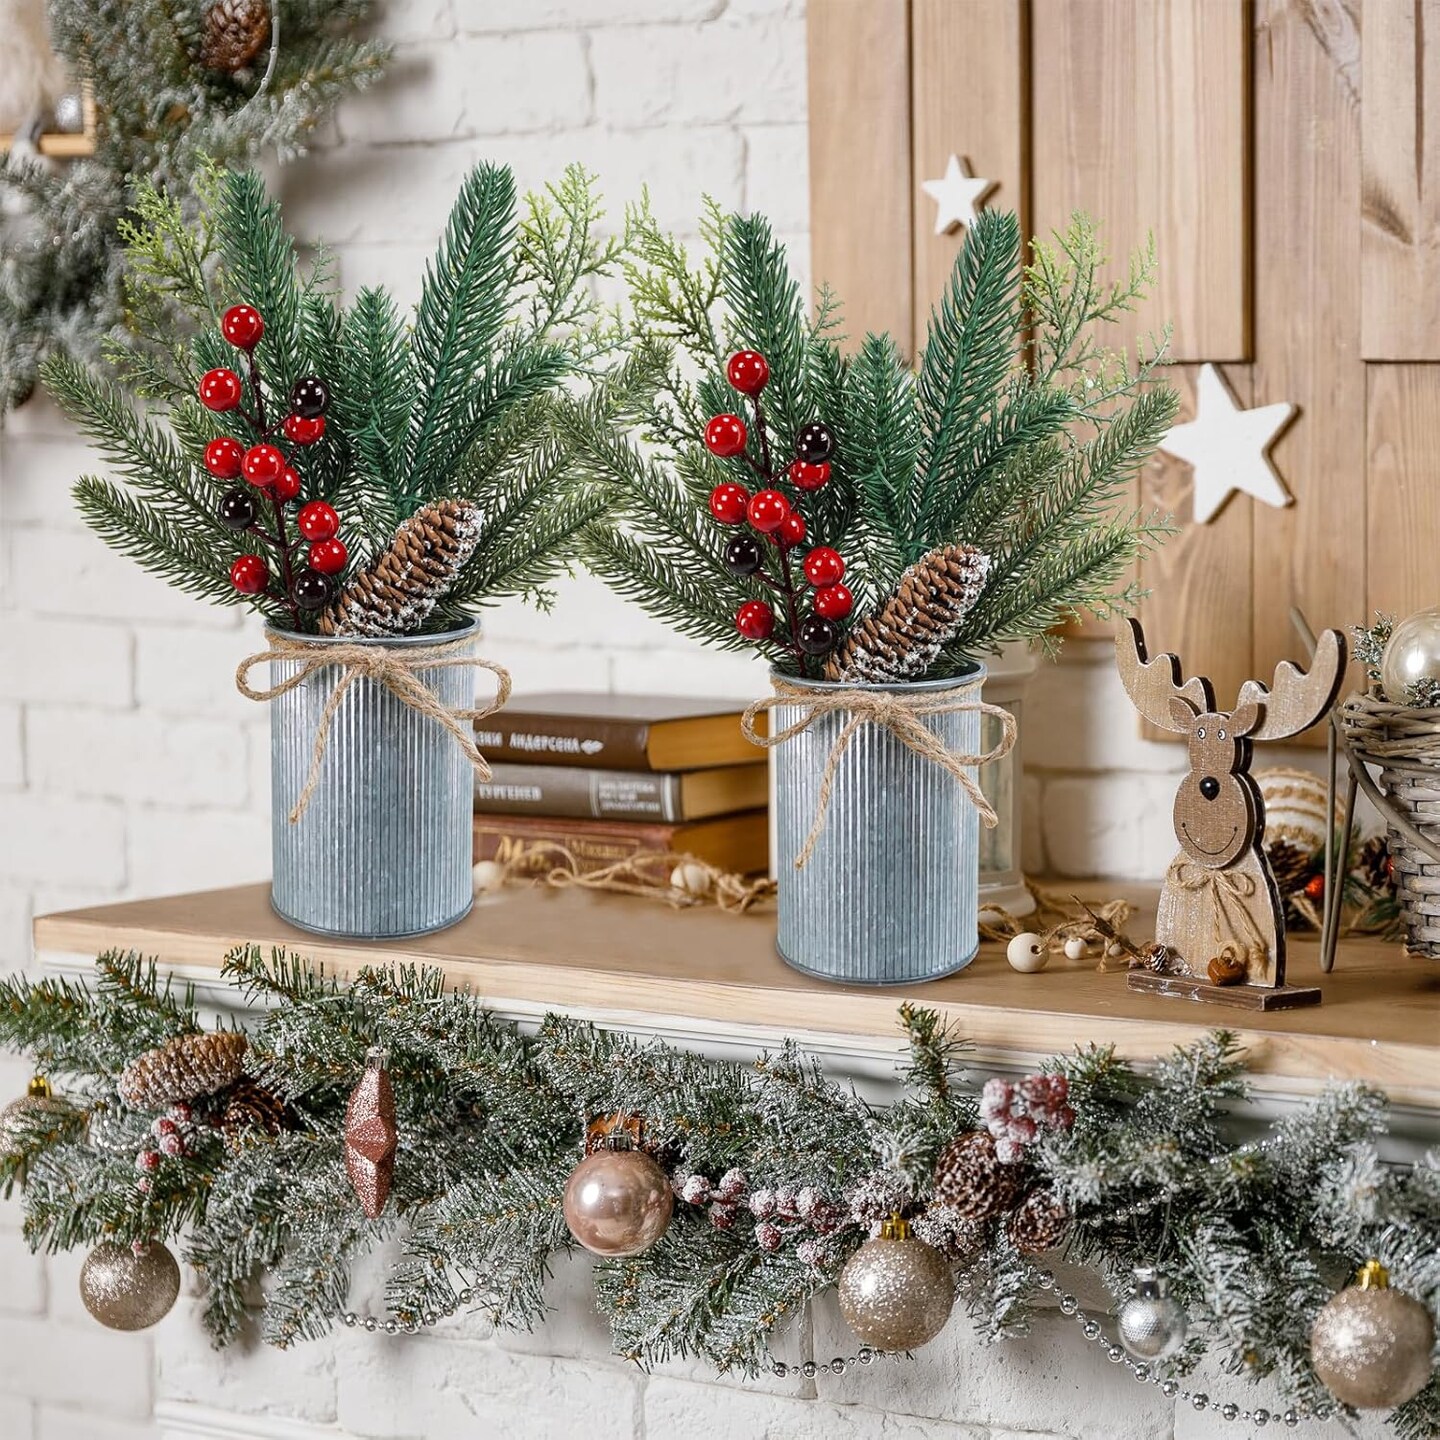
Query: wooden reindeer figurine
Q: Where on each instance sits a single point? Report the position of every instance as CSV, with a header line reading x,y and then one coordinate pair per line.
x,y
1220,923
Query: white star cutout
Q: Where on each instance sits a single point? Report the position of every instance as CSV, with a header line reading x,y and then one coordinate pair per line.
x,y
1226,446
956,196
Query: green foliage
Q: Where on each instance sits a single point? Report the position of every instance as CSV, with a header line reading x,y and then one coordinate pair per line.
x,y
1020,432
462,404
1254,1233
163,120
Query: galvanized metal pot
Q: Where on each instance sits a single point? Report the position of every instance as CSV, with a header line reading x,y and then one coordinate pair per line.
x,y
384,847
889,894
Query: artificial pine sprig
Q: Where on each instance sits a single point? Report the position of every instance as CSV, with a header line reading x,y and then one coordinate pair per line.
x,y
779,1171
462,408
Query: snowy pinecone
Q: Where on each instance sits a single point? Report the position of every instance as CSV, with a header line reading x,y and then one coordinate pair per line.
x,y
972,1178
878,1196
945,1229
901,637
252,1109
1038,1223
235,32
182,1069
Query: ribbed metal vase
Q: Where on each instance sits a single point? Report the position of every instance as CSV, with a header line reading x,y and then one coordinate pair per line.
x,y
890,894
384,847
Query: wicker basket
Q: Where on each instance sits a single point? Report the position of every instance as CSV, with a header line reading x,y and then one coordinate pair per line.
x,y
1403,741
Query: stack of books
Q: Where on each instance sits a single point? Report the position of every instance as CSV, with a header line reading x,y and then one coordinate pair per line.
x,y
609,777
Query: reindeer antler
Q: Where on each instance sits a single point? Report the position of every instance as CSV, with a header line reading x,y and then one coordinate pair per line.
x,y
1152,684
1297,698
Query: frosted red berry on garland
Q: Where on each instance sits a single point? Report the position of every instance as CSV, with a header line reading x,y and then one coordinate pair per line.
x,y
250,574
834,602
317,521
767,511
304,430
223,458
755,620
805,476
792,531
824,566
748,371
242,326
328,556
725,436
219,390
286,485
262,464
728,503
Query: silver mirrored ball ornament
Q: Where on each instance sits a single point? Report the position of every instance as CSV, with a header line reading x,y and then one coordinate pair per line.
x,y
1153,1325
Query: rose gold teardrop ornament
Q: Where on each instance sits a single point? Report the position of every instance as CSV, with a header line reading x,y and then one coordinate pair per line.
x,y
371,1136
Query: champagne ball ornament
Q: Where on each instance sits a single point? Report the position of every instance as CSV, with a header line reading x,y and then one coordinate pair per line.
x,y
1152,1324
618,1202
1370,1345
20,1115
129,1288
1411,654
896,1292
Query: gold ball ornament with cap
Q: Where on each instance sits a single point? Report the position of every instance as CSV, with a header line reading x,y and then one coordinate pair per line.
x,y
20,1118
1370,1345
896,1292
618,1202
1412,654
129,1287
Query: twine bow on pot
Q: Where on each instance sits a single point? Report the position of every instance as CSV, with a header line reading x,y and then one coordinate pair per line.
x,y
394,668
900,713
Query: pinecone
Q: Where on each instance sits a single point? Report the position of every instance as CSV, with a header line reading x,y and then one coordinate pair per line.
x,y
236,31
1373,864
182,1069
1038,1223
1290,864
972,1180
945,1229
396,592
249,1107
900,639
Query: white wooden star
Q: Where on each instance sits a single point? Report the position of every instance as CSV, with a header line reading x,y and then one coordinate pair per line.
x,y
1227,447
957,195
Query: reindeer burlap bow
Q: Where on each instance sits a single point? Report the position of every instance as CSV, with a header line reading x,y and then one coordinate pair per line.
x,y
900,713
395,669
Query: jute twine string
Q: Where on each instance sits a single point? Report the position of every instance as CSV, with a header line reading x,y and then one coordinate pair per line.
x,y
1229,890
1055,921
394,668
898,712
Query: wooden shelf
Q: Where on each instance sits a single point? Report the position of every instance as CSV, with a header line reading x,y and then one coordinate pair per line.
x,y
615,956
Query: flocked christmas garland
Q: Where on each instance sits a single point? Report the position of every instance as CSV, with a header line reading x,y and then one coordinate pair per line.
x,y
717,1197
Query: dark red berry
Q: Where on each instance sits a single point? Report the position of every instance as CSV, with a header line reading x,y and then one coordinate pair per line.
x,y
224,457
1315,887
219,390
262,464
311,590
250,574
792,531
767,511
824,566
236,510
725,436
303,430
805,476
317,521
242,326
328,556
816,635
743,554
748,371
309,396
755,620
835,601
815,443
728,502
286,485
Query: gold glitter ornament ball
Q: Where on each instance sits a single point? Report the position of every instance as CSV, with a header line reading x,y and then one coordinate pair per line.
x,y
126,1291
896,1292
618,1202
1371,1344
20,1118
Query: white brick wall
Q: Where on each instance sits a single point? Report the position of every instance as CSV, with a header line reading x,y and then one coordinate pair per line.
x,y
128,765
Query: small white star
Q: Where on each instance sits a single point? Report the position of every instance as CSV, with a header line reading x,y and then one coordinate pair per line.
x,y
1226,446
956,196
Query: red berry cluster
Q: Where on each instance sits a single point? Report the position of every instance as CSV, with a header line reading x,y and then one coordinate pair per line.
x,y
1016,1115
303,588
774,519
